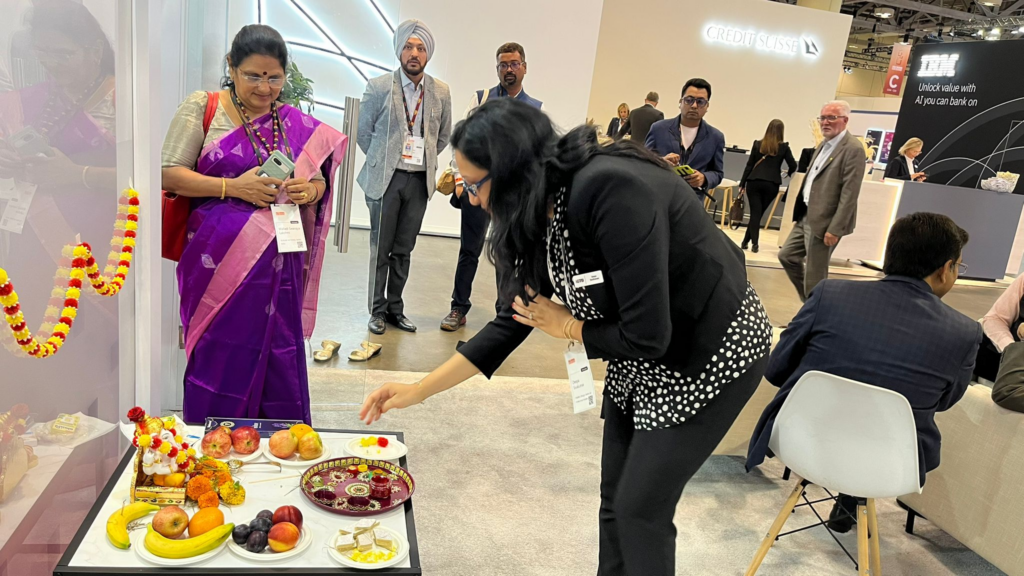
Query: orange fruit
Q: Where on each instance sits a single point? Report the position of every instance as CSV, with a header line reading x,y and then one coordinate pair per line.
x,y
300,430
205,520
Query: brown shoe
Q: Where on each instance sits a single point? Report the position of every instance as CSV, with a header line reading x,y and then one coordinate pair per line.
x,y
453,321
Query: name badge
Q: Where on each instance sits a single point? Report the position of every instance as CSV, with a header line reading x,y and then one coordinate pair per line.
x,y
581,379
13,218
588,279
288,226
412,151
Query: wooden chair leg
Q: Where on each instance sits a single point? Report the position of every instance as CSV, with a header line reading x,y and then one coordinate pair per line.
x,y
876,554
780,521
862,540
772,213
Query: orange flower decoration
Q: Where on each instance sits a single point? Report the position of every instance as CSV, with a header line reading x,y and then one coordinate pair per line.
x,y
209,500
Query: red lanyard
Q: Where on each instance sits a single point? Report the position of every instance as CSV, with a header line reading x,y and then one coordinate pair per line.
x,y
405,108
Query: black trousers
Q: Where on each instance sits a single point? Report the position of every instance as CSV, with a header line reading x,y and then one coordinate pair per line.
x,y
760,194
643,473
395,222
473,234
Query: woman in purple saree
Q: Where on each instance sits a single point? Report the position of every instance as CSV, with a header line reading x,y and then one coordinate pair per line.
x,y
246,307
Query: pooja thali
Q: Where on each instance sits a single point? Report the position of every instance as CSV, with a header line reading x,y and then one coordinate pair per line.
x,y
357,486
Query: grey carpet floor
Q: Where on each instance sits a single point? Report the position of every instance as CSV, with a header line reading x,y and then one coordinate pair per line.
x,y
508,483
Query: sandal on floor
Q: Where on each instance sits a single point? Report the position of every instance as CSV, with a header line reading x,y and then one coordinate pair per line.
x,y
330,348
370,350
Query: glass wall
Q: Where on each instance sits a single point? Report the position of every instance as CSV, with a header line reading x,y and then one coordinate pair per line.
x,y
65,156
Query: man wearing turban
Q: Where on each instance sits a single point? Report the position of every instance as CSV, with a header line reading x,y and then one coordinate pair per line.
x,y
405,120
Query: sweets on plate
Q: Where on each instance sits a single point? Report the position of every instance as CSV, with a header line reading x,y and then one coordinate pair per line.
x,y
364,542
346,543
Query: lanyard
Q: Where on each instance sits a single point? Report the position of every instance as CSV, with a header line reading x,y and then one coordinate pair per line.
x,y
405,108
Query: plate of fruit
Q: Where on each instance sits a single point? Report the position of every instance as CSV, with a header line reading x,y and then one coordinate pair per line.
x,y
357,486
164,542
377,447
226,444
369,546
271,536
299,446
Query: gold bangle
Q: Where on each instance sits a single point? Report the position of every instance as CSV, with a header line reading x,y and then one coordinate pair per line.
x,y
85,182
223,188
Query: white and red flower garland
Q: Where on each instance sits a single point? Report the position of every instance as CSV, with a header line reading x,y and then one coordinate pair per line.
x,y
57,323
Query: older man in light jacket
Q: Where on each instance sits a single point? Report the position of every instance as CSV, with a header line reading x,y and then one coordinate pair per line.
x,y
826,204
405,120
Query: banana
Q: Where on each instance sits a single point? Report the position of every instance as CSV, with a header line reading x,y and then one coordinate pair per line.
x,y
117,524
176,549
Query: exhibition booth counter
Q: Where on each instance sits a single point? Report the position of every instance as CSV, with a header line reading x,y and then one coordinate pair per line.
x,y
991,218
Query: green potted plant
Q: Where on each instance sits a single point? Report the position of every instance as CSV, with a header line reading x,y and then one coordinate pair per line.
x,y
297,89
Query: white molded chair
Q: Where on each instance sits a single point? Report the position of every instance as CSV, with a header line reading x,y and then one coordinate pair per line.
x,y
848,437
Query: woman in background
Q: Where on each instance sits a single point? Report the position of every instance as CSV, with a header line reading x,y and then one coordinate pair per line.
x,y
904,166
618,121
245,306
763,176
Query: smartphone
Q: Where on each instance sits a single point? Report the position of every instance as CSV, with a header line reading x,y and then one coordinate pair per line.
x,y
277,166
28,142
685,170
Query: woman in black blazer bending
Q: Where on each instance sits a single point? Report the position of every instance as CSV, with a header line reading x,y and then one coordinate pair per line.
x,y
904,166
763,176
650,284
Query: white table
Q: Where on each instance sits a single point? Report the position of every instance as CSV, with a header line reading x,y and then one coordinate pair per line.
x,y
91,553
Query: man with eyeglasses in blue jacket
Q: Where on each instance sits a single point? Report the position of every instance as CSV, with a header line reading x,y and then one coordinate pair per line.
x,y
511,67
687,140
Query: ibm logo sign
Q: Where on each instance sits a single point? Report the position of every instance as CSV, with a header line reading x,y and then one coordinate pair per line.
x,y
938,66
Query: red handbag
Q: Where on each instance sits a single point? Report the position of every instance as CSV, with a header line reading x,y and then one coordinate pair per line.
x,y
175,209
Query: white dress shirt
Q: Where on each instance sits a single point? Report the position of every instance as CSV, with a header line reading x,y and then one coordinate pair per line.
x,y
826,152
910,166
412,96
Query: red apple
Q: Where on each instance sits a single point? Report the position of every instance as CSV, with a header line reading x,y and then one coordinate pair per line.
x,y
217,444
283,537
170,522
288,514
283,444
245,440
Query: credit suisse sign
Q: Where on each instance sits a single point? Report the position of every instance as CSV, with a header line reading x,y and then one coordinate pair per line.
x,y
782,44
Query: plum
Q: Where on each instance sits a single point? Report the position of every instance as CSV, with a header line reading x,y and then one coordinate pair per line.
x,y
240,534
256,542
260,525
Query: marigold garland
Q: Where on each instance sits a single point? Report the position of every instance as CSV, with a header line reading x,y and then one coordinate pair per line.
x,y
76,265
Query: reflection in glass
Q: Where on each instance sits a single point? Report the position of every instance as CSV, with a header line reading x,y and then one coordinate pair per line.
x,y
59,184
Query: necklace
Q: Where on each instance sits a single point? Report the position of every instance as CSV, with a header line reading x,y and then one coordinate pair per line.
x,y
252,128
51,120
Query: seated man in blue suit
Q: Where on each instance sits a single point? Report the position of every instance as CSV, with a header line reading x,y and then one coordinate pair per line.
x,y
894,333
688,140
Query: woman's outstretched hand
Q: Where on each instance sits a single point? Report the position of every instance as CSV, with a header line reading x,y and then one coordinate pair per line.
x,y
389,396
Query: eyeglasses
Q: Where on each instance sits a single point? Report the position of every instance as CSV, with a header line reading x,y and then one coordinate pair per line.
x,y
474,189
962,268
514,65
257,81
700,102
829,119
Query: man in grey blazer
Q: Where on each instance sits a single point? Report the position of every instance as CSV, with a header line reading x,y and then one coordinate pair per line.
x,y
405,119
826,205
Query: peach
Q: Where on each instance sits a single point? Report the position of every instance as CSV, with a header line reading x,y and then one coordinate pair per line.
x,y
283,537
